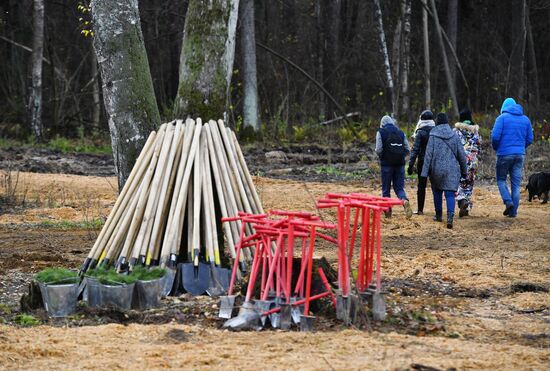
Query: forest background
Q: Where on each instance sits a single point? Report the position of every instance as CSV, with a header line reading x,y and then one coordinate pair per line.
x,y
494,49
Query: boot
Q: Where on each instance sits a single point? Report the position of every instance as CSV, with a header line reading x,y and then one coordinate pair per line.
x,y
463,206
438,216
387,214
450,217
421,195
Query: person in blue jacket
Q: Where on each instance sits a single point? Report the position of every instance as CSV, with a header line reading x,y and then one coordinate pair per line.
x,y
511,134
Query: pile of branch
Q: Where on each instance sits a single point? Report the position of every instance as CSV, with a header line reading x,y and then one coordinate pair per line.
x,y
188,176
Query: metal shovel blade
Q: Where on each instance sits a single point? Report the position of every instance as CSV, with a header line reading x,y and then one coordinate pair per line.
x,y
219,281
378,306
263,306
167,282
285,318
306,323
195,280
248,319
296,310
227,304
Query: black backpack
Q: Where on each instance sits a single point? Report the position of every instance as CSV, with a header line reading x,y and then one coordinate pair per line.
x,y
394,151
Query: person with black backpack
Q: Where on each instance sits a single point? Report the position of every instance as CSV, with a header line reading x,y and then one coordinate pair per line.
x,y
392,147
421,135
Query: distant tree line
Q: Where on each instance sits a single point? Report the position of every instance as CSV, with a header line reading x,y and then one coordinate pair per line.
x,y
372,57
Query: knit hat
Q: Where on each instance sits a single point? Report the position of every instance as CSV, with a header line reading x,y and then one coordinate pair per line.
x,y
426,115
441,118
466,116
507,103
386,120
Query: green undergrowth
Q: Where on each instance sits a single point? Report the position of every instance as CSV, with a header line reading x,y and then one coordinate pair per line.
x,y
63,144
111,277
69,224
144,274
56,276
26,320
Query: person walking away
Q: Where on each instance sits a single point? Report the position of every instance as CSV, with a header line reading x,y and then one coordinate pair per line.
x,y
421,135
444,163
468,133
392,147
511,134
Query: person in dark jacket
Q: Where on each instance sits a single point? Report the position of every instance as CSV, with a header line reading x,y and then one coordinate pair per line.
x,y
511,134
421,135
392,147
444,163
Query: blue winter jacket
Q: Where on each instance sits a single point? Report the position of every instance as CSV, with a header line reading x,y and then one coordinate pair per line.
x,y
512,132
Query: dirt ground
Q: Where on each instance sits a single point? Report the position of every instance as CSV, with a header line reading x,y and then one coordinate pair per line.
x,y
475,297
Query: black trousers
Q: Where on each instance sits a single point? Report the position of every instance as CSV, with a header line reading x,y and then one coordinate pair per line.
x,y
421,193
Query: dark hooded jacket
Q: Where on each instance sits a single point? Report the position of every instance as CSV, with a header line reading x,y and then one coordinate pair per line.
x,y
512,131
445,160
420,142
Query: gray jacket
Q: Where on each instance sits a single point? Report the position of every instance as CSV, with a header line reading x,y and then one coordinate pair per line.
x,y
445,159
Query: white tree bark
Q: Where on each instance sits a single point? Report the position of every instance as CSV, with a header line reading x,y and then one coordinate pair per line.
x,y
35,99
383,46
248,42
406,10
128,94
427,84
206,62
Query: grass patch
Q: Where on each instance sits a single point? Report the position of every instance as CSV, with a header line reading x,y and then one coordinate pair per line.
x,y
339,173
57,276
26,320
144,274
111,277
83,145
69,224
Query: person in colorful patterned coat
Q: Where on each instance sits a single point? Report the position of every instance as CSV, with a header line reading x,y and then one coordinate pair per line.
x,y
468,132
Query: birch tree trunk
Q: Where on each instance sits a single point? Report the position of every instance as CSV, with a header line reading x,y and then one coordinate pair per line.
x,y
406,10
128,93
450,81
96,109
35,99
250,80
320,57
426,41
384,48
206,62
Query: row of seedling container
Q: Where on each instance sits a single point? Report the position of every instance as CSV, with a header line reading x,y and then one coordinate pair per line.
x,y
61,288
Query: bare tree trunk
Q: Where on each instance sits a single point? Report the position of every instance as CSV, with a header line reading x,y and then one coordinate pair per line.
x,y
397,52
517,65
452,27
427,84
207,55
320,57
384,48
533,72
128,94
248,42
333,20
450,81
96,109
406,10
35,99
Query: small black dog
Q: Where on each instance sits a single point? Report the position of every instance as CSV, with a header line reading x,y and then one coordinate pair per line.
x,y
539,184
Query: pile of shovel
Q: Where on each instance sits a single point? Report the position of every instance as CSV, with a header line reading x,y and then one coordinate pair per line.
x,y
281,236
187,177
278,237
366,211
